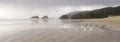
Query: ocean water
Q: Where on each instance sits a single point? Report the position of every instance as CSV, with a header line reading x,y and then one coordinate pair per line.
x,y
77,30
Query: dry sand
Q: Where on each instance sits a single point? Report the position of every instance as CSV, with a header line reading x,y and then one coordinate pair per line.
x,y
112,20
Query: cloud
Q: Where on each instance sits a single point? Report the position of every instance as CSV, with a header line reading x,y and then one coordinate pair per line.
x,y
53,8
61,2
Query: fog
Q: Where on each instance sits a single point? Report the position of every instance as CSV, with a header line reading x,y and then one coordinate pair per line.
x,y
24,9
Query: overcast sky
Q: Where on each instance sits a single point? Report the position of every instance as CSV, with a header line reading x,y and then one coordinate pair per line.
x,y
23,9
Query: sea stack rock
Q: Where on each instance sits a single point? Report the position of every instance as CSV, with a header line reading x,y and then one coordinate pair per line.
x,y
45,17
35,17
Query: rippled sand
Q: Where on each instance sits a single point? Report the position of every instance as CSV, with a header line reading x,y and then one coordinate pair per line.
x,y
58,31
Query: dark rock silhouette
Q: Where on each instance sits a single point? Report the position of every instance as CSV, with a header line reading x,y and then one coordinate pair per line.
x,y
35,17
95,14
45,17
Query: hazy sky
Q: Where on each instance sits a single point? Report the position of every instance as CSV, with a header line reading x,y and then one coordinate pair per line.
x,y
23,9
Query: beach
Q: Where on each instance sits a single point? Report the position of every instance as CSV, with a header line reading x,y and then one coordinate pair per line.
x,y
74,30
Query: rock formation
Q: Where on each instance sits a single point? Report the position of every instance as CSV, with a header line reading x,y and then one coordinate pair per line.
x,y
45,17
35,17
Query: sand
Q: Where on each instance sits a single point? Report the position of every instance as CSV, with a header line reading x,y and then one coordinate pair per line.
x,y
59,31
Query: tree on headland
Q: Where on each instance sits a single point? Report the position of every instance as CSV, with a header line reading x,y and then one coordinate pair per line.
x,y
98,13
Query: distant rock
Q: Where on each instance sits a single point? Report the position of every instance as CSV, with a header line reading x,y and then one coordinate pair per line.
x,y
45,17
35,17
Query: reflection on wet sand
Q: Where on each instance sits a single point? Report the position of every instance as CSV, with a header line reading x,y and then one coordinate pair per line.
x,y
37,21
45,20
60,31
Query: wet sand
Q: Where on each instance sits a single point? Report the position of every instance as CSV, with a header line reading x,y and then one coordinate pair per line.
x,y
58,31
